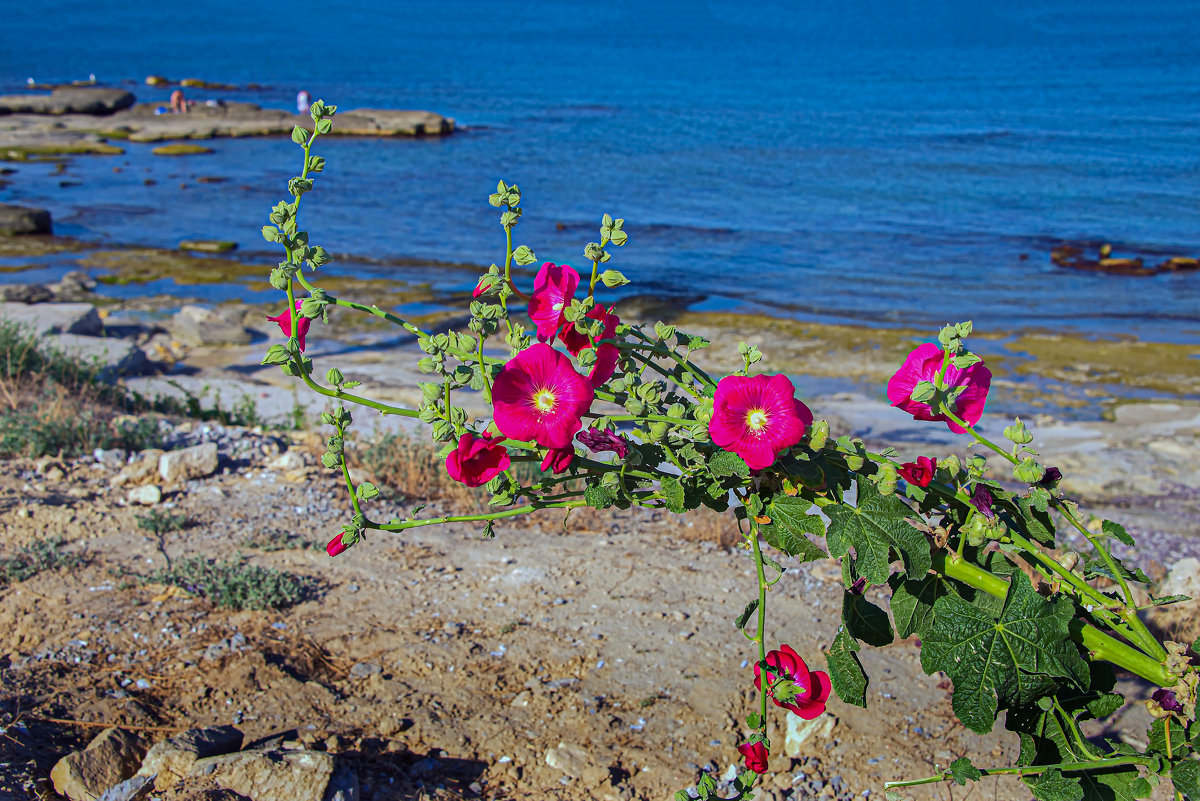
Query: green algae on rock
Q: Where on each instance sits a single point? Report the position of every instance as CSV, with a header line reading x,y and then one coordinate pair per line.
x,y
181,149
208,245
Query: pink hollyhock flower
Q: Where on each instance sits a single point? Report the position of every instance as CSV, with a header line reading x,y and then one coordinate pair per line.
x,y
285,324
757,418
557,460
606,354
924,364
477,459
538,396
553,288
756,756
812,687
335,546
919,472
599,440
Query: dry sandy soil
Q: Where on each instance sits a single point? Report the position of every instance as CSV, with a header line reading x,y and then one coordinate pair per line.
x,y
480,654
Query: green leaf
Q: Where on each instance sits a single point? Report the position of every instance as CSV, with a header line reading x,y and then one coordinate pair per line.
x,y
845,671
599,497
1117,531
912,602
744,617
724,464
1186,778
865,621
962,771
366,491
276,354
1117,784
873,528
673,494
1051,785
790,522
1010,659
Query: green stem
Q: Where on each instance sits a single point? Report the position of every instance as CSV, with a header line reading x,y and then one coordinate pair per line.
x,y
347,396
513,512
1029,770
760,632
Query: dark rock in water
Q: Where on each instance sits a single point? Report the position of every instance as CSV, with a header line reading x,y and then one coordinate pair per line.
x,y
1180,263
1074,257
70,100
16,220
156,80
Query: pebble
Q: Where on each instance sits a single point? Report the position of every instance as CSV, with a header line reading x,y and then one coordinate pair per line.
x,y
148,495
363,669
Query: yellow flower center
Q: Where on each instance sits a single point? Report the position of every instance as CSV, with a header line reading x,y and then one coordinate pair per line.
x,y
756,420
544,400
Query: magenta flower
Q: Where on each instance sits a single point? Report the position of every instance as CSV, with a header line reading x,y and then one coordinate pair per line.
x,y
1167,700
756,756
982,498
812,687
553,288
607,354
477,459
599,440
285,324
335,546
924,364
919,472
757,418
557,460
538,396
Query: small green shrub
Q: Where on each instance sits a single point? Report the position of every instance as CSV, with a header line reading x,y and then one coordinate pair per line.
x,y
37,556
233,585
275,539
160,523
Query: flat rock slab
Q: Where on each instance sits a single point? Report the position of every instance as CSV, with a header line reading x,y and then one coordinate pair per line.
x,y
54,318
113,756
114,357
18,220
69,100
141,124
184,464
271,775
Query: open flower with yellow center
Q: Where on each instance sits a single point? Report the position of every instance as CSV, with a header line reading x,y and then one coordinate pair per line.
x,y
539,396
757,418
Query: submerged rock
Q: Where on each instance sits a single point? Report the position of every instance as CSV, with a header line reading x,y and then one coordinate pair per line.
x,y
17,220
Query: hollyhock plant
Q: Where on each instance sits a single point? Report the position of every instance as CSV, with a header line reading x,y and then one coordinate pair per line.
x,y
335,546
538,396
812,687
920,472
557,460
285,324
607,354
599,440
477,459
553,288
757,418
756,756
924,364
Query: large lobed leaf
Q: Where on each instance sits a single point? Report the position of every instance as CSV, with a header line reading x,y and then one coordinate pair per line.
x,y
874,527
1008,660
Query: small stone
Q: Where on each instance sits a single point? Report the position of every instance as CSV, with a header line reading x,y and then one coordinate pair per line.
x,y
288,460
197,461
135,789
143,468
363,669
110,758
800,731
112,458
570,758
149,495
16,220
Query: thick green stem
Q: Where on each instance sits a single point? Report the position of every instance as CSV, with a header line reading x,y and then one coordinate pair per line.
x,y
513,512
760,632
1028,770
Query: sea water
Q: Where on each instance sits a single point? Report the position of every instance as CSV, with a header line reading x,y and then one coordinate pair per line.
x,y
879,162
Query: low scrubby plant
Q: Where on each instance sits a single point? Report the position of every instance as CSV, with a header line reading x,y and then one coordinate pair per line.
x,y
36,557
621,415
234,585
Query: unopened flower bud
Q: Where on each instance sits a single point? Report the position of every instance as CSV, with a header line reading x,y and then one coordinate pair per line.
x,y
335,546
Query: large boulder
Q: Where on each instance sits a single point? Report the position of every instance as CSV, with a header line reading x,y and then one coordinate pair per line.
x,y
173,758
114,357
55,318
16,220
197,461
197,325
70,100
112,757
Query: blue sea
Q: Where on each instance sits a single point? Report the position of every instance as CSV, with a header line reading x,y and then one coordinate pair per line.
x,y
879,162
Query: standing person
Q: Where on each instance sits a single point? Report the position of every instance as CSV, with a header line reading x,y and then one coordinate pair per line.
x,y
178,103
303,101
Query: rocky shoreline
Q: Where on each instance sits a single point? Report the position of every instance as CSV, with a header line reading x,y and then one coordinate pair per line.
x,y
78,120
